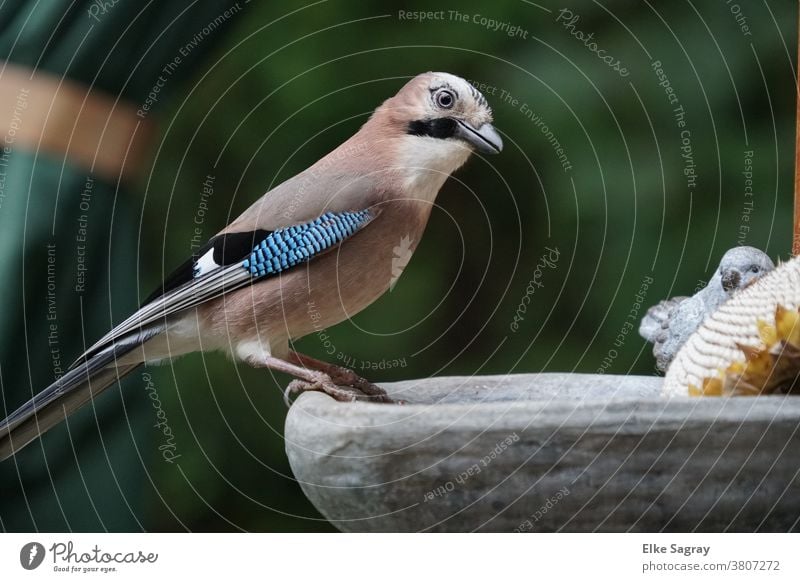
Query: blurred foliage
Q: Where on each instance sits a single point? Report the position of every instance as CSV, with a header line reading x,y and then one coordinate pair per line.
x,y
293,82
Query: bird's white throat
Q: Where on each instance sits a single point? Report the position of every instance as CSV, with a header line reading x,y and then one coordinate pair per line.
x,y
428,161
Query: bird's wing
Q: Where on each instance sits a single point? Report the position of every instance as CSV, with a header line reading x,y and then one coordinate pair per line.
x,y
234,260
653,321
682,320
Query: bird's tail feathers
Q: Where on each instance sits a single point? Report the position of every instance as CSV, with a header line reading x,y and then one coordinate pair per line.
x,y
85,380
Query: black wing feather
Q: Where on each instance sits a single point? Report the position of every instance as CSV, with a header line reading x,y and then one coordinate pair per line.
x,y
227,248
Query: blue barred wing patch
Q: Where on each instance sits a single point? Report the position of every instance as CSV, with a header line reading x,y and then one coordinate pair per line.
x,y
288,247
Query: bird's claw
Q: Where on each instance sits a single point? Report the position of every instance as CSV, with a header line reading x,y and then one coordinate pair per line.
x,y
347,377
342,385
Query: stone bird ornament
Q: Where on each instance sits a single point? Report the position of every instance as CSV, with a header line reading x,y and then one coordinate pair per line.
x,y
670,323
740,347
307,255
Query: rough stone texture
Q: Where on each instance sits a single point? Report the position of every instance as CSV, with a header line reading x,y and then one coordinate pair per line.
x,y
629,459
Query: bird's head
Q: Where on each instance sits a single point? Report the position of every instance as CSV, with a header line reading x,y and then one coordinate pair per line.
x,y
741,266
440,120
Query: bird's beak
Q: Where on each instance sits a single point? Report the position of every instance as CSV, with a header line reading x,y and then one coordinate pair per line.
x,y
731,279
484,139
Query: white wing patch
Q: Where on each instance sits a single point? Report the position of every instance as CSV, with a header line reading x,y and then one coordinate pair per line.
x,y
205,264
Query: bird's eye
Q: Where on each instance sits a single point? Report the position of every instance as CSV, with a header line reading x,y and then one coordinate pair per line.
x,y
445,99
754,269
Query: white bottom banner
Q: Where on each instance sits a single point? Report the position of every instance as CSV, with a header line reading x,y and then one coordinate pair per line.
x,y
388,557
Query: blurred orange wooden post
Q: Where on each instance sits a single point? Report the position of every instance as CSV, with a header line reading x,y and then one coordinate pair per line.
x,y
796,232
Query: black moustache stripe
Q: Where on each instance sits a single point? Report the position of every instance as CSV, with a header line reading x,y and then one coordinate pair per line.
x,y
441,127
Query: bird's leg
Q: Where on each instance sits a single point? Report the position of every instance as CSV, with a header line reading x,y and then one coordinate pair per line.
x,y
341,375
308,379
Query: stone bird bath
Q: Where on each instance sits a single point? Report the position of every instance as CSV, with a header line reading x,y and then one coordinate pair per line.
x,y
548,452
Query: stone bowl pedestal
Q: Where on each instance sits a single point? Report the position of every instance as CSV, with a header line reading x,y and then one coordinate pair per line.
x,y
548,452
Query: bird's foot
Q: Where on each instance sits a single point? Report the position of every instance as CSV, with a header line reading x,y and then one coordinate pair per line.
x,y
315,374
324,383
297,387
347,377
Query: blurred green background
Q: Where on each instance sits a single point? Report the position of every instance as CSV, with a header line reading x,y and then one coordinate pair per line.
x,y
288,84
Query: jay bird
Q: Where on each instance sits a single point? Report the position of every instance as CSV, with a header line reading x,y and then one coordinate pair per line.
x,y
322,239
670,323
